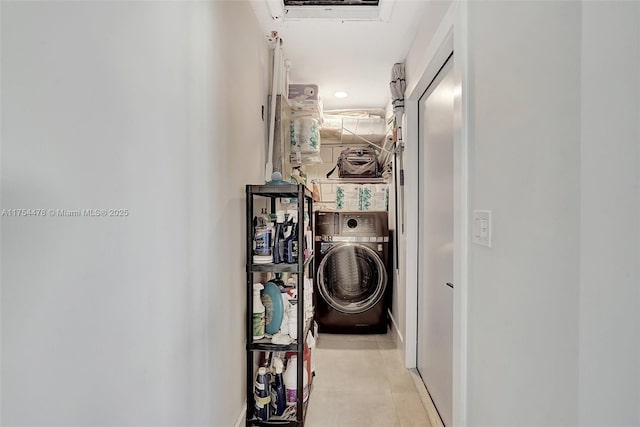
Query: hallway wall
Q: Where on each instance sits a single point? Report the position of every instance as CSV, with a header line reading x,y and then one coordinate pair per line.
x,y
415,63
523,315
144,106
609,384
553,307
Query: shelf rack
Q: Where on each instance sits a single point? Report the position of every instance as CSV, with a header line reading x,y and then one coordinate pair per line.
x,y
305,205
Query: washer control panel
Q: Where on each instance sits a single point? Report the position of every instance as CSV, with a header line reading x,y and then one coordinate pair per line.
x,y
364,223
351,226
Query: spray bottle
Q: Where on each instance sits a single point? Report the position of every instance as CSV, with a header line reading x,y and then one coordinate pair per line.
x,y
279,239
258,312
278,395
291,243
262,397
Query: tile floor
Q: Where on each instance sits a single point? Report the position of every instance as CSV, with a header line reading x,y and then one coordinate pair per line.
x,y
361,381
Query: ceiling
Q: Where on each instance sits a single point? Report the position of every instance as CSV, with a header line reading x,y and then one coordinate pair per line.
x,y
345,54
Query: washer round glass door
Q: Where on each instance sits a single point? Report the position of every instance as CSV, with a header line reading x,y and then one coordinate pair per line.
x,y
352,278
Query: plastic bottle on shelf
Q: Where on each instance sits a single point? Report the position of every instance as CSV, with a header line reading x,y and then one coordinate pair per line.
x,y
298,176
311,341
272,226
291,381
308,298
291,243
262,396
258,312
277,279
284,326
278,394
308,237
293,321
292,280
290,287
279,239
262,239
307,363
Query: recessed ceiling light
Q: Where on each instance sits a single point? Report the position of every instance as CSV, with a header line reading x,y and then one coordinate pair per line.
x,y
340,94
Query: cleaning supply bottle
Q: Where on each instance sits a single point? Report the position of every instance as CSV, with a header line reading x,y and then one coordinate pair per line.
x,y
262,396
308,237
284,326
292,315
311,340
291,243
279,239
291,381
272,228
278,281
258,312
278,394
298,176
262,239
290,286
307,364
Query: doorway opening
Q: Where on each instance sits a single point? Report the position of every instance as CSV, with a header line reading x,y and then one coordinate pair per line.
x,y
434,359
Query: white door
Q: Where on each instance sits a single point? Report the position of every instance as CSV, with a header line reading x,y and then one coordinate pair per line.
x,y
435,248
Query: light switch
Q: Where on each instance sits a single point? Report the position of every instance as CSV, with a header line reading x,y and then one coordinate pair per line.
x,y
482,228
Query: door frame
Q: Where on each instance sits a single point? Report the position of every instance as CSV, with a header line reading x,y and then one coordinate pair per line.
x,y
451,36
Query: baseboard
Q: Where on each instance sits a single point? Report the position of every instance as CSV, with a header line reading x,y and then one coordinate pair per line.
x,y
425,397
240,420
395,328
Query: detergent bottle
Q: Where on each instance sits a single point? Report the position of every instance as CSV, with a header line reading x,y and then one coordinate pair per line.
x,y
261,396
278,395
258,312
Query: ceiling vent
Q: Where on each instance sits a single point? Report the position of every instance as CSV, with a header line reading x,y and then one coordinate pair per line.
x,y
331,2
340,10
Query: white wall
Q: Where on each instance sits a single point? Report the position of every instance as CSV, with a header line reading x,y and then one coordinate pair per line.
x,y
609,388
418,57
142,106
415,64
553,323
524,166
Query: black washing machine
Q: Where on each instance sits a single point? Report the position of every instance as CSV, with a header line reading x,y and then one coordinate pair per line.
x,y
352,285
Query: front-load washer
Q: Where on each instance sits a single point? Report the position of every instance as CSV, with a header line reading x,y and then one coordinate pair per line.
x,y
352,281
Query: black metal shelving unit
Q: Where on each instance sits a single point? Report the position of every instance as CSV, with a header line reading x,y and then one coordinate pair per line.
x,y
253,347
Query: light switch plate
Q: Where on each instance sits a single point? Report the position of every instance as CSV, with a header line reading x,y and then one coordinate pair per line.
x,y
482,228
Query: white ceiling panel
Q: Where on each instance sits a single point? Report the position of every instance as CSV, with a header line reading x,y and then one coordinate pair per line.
x,y
351,55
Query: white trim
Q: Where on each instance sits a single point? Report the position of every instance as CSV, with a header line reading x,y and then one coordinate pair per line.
x,y
411,223
425,397
240,420
394,326
451,35
461,221
434,54
412,96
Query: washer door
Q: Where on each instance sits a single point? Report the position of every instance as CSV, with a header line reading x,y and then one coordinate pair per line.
x,y
352,278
